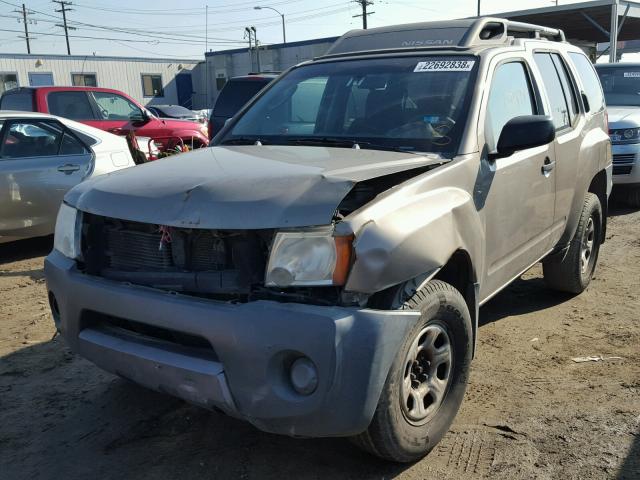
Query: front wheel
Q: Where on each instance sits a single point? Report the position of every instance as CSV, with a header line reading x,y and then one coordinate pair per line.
x,y
427,380
572,273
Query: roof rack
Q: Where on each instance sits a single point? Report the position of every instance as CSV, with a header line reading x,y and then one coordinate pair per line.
x,y
455,34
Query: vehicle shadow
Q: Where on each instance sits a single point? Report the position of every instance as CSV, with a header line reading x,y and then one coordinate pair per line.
x,y
630,469
62,417
524,295
25,249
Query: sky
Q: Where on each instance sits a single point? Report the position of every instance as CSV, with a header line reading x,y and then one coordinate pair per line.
x,y
164,28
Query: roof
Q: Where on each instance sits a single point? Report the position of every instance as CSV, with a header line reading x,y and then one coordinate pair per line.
x,y
464,34
586,21
276,46
96,58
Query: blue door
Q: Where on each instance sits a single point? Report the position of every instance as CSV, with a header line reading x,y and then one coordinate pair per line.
x,y
185,89
41,79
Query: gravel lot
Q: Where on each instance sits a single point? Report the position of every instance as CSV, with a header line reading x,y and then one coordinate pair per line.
x,y
529,412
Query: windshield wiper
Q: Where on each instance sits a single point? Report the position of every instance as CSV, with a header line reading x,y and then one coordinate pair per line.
x,y
345,142
243,141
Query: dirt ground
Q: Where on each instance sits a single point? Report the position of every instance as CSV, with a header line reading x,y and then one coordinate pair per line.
x,y
529,412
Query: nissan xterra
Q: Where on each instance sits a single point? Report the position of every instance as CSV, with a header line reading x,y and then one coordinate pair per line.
x,y
318,271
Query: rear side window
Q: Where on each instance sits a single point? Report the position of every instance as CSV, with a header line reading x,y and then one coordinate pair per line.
x,y
235,94
562,110
590,80
510,96
567,86
72,105
32,139
22,101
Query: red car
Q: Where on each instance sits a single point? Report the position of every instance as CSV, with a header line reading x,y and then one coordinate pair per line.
x,y
106,109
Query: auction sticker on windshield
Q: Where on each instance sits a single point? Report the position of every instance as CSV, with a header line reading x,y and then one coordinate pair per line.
x,y
631,74
445,66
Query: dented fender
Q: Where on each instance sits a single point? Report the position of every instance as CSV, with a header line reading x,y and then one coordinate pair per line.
x,y
413,234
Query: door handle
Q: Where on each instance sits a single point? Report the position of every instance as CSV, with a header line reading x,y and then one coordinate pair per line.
x,y
548,166
68,168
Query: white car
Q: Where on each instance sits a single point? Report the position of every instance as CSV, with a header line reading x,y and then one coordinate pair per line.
x,y
41,157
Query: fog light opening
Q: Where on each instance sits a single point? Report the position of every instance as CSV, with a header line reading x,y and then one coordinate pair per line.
x,y
53,304
304,376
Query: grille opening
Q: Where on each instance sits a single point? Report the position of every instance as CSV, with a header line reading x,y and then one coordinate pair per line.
x,y
624,158
622,169
139,332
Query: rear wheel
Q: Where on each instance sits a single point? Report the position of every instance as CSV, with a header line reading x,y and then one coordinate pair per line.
x,y
572,273
426,383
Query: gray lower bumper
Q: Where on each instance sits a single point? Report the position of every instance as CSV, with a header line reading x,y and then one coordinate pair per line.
x,y
253,344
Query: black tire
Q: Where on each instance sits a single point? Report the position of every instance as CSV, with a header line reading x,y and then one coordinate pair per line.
x,y
633,198
392,435
569,273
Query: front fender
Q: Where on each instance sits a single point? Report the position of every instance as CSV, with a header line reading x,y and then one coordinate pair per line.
x,y
408,235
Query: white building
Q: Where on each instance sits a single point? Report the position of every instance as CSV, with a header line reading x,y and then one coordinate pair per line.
x,y
148,80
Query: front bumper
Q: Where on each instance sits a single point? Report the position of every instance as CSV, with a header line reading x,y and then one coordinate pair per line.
x,y
626,164
253,343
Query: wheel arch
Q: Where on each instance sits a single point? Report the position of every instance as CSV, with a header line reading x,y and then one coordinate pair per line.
x,y
598,186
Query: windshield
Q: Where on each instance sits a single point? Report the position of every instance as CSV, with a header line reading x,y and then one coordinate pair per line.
x,y
621,85
174,111
403,103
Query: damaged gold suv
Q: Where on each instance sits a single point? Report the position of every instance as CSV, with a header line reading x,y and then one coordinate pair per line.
x,y
319,270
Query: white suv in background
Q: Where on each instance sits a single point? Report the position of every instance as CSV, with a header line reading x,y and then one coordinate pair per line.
x,y
621,85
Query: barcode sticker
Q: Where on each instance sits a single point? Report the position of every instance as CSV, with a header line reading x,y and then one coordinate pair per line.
x,y
632,74
445,66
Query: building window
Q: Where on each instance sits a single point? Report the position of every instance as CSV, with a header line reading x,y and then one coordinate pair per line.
x,y
8,81
84,80
221,80
152,86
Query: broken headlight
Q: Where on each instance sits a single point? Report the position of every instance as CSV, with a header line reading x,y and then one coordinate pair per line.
x,y
67,233
308,258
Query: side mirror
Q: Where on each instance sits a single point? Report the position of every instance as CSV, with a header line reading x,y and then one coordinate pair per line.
x,y
526,131
585,100
143,117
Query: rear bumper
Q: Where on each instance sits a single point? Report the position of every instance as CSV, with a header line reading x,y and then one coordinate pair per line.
x,y
254,344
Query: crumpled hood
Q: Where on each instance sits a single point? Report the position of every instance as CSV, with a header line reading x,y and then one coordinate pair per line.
x,y
239,187
623,117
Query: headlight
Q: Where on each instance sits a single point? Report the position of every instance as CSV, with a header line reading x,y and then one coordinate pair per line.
x,y
308,258
625,135
67,236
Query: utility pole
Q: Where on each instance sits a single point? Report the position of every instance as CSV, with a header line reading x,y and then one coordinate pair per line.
x,y
248,33
257,45
364,4
24,13
64,10
478,8
206,49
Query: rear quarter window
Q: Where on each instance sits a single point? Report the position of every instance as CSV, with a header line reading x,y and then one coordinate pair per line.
x,y
22,101
72,105
590,80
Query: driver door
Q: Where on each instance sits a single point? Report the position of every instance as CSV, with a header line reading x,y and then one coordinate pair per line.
x,y
520,193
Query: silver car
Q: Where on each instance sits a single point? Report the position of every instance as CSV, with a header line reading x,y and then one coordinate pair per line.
x,y
319,271
41,158
621,85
